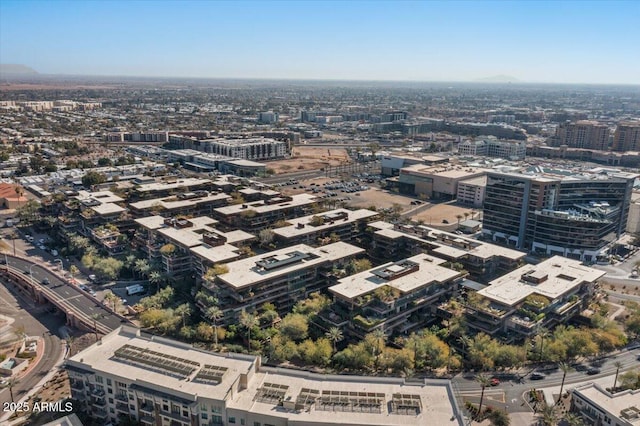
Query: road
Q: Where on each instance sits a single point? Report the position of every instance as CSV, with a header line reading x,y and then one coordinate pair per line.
x,y
508,394
37,321
77,299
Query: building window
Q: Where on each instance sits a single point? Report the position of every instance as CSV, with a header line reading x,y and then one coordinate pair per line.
x,y
232,419
109,390
108,382
110,400
204,416
99,379
256,424
111,410
185,413
217,410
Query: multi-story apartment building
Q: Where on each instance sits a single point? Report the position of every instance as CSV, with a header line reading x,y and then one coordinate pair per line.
x,y
627,136
170,186
146,137
582,134
268,117
281,277
193,203
263,214
481,259
98,208
574,214
184,246
598,406
543,295
471,191
396,297
250,148
493,147
347,225
156,381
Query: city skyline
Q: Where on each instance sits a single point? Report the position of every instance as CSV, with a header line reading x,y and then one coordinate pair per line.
x,y
542,42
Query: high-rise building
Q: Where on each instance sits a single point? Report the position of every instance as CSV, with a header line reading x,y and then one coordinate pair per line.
x,y
268,117
583,134
558,212
627,136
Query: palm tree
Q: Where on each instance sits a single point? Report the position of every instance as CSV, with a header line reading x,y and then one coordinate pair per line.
x,y
466,215
183,310
379,338
11,383
618,365
549,415
458,216
19,192
573,419
248,321
335,335
142,267
69,340
109,296
95,318
214,313
465,341
154,278
542,333
73,271
565,369
484,381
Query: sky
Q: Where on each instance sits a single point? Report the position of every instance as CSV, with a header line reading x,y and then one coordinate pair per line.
x,y
531,41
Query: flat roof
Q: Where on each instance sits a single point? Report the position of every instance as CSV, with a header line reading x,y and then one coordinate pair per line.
x,y
151,222
478,181
562,275
218,254
446,171
172,202
294,230
612,403
434,397
101,196
261,207
107,208
429,271
245,272
178,183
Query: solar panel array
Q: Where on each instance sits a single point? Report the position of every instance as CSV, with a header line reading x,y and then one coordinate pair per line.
x,y
166,364
306,398
369,402
402,403
211,373
271,393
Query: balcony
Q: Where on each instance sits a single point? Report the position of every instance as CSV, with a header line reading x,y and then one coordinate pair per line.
x,y
146,408
77,385
120,406
148,420
99,413
122,397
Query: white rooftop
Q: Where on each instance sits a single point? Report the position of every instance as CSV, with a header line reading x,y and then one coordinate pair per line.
x,y
169,203
260,206
173,184
613,403
246,272
562,275
101,196
294,230
107,208
429,271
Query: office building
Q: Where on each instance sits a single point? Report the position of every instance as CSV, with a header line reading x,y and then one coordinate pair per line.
x,y
247,148
268,117
471,191
157,381
396,297
435,182
582,134
493,147
627,136
517,304
282,277
577,214
597,406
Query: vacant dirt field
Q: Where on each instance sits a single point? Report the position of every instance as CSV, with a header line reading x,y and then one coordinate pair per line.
x,y
439,212
305,158
381,199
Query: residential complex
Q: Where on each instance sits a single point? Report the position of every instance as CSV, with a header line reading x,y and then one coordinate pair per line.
x,y
157,381
574,214
249,148
281,277
396,297
494,147
598,406
582,134
481,259
627,136
347,225
194,203
543,295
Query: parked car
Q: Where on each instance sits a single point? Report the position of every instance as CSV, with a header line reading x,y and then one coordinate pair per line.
x,y
536,376
45,281
495,381
593,370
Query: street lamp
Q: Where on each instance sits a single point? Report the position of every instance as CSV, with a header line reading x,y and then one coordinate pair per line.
x,y
61,264
31,272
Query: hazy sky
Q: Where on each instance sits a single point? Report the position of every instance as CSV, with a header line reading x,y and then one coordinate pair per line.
x,y
533,41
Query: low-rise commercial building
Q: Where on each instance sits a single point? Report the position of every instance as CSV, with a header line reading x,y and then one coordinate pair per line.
x,y
597,406
157,381
396,297
517,304
438,182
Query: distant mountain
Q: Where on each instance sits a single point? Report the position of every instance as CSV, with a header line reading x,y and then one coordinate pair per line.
x,y
498,79
16,69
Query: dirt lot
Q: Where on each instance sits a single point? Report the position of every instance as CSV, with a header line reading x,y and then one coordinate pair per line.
x,y
381,199
439,212
305,158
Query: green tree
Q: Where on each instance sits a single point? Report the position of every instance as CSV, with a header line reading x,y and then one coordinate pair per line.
x,y
214,313
565,368
334,334
484,381
294,327
618,365
142,267
155,277
92,178
499,418
183,311
248,321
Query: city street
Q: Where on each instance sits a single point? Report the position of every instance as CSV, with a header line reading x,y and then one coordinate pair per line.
x,y
37,321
